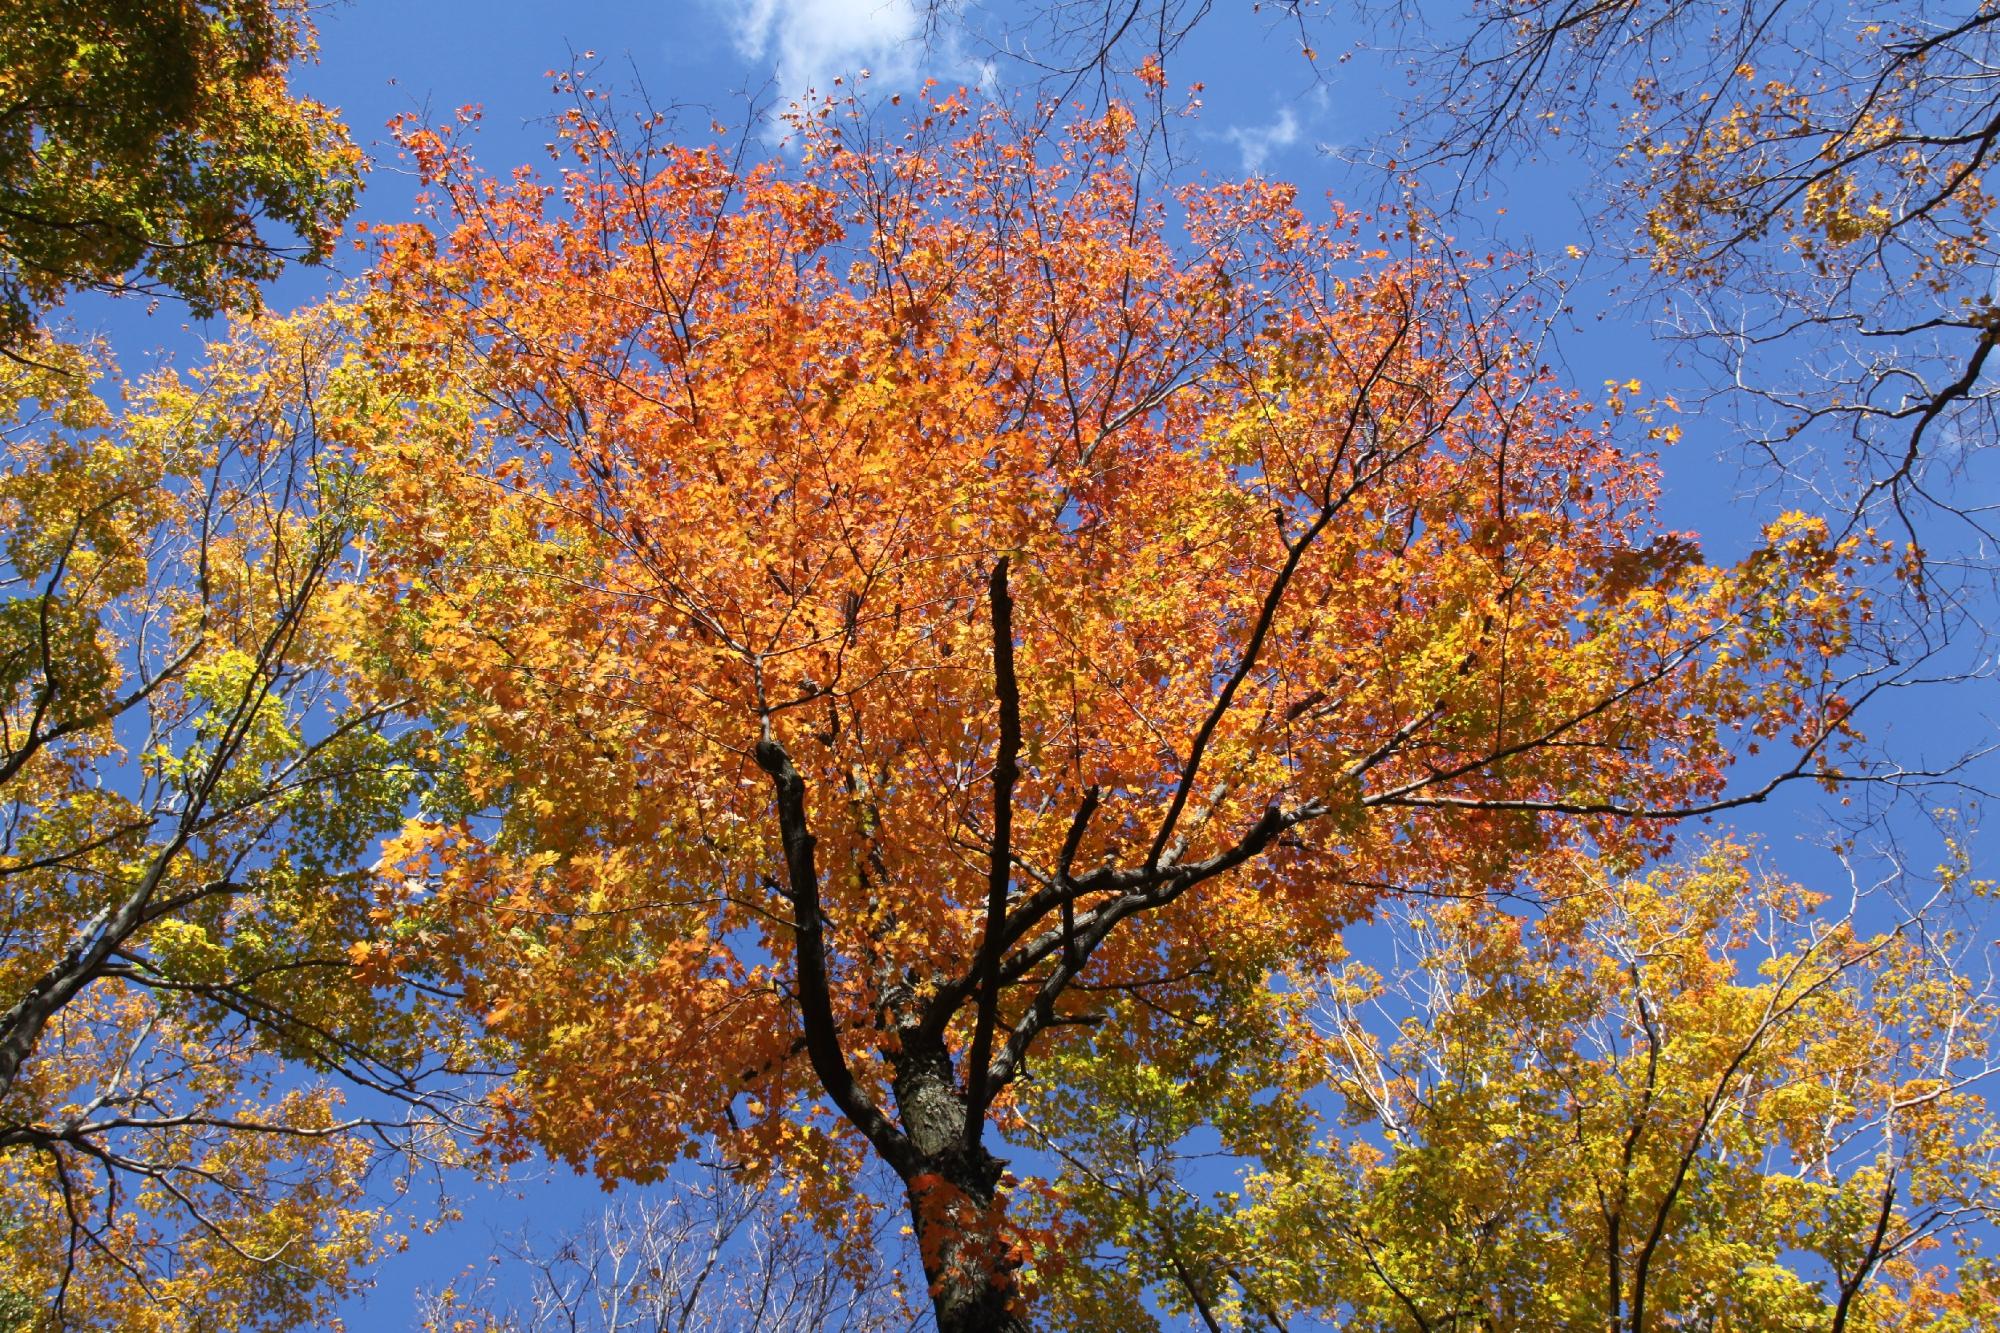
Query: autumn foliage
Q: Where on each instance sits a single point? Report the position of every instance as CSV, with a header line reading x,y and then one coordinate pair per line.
x,y
1699,1092
894,610
788,678
195,1084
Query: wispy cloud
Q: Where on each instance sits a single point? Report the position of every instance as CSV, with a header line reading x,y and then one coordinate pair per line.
x,y
812,42
1258,144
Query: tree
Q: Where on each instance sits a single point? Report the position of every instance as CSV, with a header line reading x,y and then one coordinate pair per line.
x,y
713,1253
196,1081
1796,192
1700,1095
888,609
1806,188
145,143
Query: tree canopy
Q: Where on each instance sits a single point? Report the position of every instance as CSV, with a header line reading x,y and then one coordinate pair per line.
x,y
195,1082
145,145
1794,195
890,607
1703,1094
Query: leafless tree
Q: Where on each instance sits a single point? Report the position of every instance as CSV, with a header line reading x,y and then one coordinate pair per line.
x,y
712,1253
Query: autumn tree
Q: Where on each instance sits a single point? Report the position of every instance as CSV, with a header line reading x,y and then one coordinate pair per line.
x,y
898,611
146,145
196,1083
1699,1095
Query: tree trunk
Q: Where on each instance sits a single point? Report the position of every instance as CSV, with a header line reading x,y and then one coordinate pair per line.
x,y
966,1257
956,1206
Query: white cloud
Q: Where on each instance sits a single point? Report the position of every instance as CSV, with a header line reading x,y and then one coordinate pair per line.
x,y
1257,142
812,42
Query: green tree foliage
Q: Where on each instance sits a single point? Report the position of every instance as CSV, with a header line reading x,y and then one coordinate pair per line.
x,y
146,144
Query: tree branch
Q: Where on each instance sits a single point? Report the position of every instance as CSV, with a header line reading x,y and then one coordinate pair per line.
x,y
809,940
1006,771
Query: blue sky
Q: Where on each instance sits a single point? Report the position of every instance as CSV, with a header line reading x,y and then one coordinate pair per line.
x,y
1266,109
